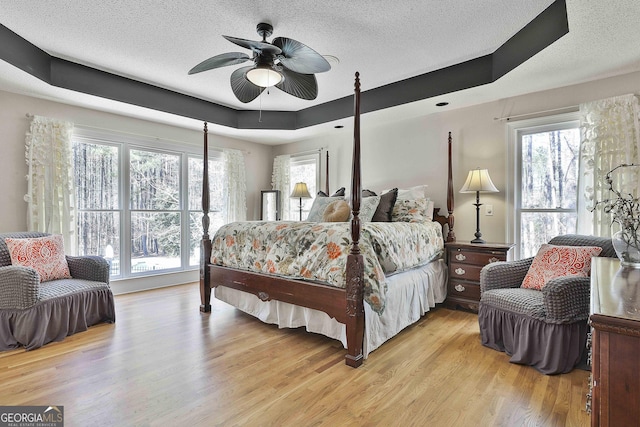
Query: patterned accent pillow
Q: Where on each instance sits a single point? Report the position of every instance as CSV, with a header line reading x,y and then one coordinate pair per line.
x,y
368,206
558,261
43,254
319,205
409,210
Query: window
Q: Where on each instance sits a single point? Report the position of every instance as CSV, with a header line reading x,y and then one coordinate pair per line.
x,y
303,168
546,178
139,202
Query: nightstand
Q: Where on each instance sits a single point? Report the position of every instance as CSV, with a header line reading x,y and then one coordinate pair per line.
x,y
465,261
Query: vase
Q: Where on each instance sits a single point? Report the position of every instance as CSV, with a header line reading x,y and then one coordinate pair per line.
x,y
628,251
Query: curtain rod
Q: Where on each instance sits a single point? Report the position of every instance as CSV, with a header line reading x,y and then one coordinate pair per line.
x,y
317,150
569,109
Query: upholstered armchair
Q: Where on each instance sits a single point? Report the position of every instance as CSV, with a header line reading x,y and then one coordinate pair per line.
x,y
34,312
546,328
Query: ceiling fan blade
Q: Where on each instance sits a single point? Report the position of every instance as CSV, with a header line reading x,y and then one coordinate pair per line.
x,y
231,58
302,86
299,57
242,88
258,47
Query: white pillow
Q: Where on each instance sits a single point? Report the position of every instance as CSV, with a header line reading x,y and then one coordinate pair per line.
x,y
417,192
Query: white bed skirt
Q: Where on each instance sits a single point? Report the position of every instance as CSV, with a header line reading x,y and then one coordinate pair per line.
x,y
410,295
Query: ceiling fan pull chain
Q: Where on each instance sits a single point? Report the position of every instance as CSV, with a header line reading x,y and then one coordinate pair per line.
x,y
260,115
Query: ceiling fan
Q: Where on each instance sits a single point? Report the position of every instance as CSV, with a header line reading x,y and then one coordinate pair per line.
x,y
285,63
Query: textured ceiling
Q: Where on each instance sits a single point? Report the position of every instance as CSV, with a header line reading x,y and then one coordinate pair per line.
x,y
158,43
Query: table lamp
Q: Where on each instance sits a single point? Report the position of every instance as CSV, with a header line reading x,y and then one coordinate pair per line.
x,y
478,181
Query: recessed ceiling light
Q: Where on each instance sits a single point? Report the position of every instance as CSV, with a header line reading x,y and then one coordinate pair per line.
x,y
442,104
338,126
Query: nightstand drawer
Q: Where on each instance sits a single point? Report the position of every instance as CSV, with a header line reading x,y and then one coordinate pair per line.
x,y
478,258
464,290
465,271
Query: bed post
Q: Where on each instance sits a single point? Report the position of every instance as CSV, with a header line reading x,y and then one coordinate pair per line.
x,y
326,181
205,243
451,236
355,263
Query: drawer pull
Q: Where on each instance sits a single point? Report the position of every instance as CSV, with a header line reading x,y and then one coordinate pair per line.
x,y
493,259
459,288
459,271
460,257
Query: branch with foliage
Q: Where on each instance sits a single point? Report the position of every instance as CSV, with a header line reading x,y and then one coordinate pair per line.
x,y
624,209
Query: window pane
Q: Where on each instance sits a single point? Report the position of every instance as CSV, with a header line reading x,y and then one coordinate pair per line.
x,y
537,228
96,176
98,234
155,241
216,181
155,180
302,172
549,169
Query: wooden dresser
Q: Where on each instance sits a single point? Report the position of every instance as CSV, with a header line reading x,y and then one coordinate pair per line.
x,y
465,261
615,344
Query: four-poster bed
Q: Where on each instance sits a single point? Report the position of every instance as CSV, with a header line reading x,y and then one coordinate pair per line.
x,y
342,306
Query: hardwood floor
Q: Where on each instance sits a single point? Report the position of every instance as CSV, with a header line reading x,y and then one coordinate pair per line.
x,y
163,363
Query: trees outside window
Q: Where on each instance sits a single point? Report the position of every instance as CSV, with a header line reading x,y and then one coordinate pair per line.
x,y
139,207
546,187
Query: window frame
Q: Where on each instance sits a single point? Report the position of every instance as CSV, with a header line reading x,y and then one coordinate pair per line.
x,y
125,143
515,131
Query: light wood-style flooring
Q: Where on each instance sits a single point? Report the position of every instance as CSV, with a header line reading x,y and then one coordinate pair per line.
x,y
163,363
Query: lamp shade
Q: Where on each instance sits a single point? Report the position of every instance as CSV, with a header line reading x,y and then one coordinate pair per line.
x,y
301,191
478,180
263,76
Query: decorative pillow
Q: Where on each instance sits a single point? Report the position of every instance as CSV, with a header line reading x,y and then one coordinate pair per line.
x,y
410,210
338,193
319,205
385,207
368,193
557,261
428,212
337,211
368,207
43,254
417,192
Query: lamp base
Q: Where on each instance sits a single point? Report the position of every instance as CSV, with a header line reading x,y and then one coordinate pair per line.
x,y
478,241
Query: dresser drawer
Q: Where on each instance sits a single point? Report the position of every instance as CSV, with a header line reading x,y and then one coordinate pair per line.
x,y
478,258
464,290
465,271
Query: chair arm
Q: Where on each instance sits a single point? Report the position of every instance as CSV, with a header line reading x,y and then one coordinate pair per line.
x,y
504,274
89,267
566,299
18,287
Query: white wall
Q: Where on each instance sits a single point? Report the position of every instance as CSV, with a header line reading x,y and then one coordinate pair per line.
x,y
14,124
414,151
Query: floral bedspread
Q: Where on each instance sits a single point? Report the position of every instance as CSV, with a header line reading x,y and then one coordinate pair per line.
x,y
318,251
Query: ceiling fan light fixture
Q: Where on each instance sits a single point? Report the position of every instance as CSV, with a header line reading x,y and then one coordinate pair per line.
x,y
264,76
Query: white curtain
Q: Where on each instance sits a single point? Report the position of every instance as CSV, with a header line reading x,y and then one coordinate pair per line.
x,y
280,180
610,136
50,197
236,185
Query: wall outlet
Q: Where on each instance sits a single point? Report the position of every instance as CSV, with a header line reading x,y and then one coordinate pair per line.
x,y
488,210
